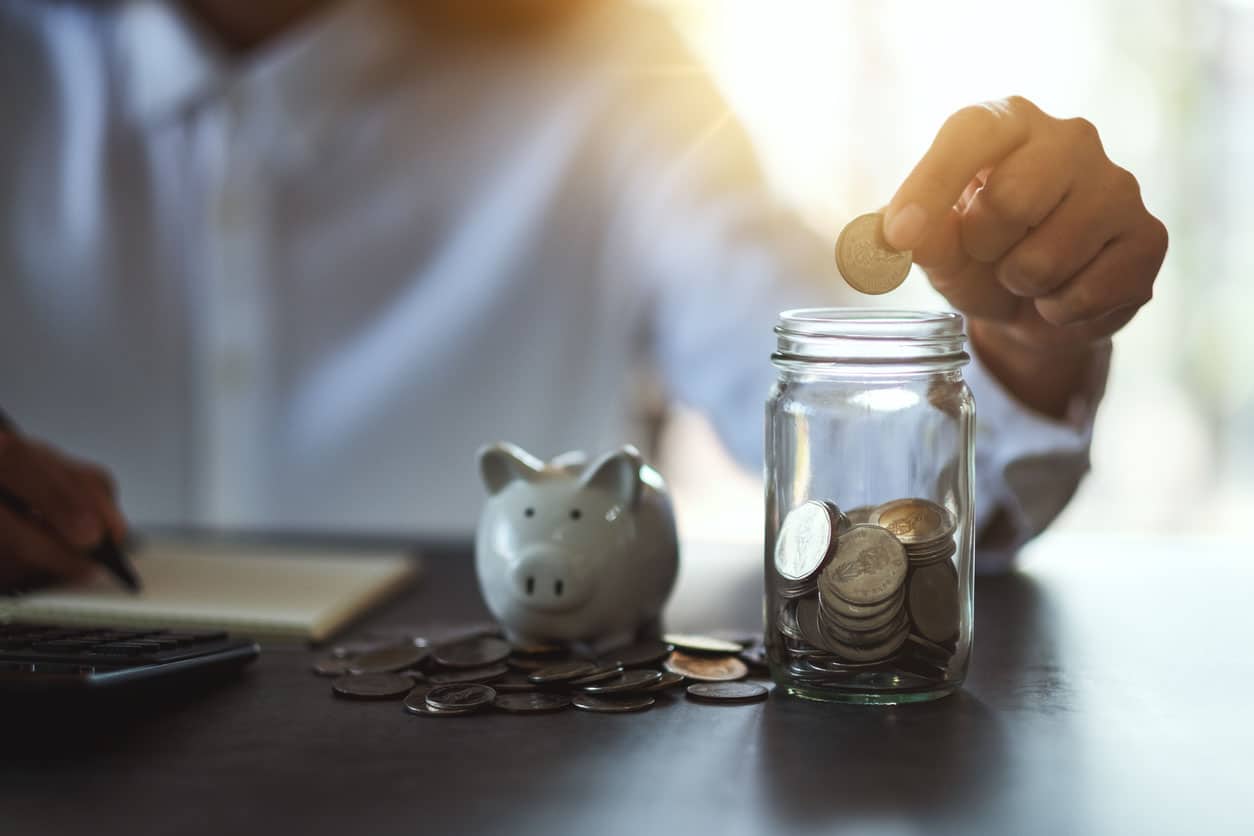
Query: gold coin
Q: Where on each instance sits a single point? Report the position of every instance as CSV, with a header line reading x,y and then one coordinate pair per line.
x,y
915,522
864,258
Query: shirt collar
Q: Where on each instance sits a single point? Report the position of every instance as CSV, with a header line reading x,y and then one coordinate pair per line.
x,y
166,64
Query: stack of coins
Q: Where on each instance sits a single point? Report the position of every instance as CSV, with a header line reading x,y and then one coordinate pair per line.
x,y
859,589
482,672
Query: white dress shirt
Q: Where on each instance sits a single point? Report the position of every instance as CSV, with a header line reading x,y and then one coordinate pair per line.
x,y
298,289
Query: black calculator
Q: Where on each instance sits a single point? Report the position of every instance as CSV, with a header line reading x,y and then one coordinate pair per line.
x,y
43,657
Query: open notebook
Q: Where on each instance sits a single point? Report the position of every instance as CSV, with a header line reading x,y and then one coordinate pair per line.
x,y
264,591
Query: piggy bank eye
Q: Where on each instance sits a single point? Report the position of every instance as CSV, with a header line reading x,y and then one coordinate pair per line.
x,y
530,512
575,513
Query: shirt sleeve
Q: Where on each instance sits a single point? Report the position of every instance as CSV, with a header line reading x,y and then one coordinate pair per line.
x,y
720,259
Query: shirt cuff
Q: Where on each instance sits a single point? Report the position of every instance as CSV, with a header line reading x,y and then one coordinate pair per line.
x,y
1028,465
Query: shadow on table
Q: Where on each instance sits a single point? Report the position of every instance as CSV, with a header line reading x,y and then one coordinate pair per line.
x,y
944,762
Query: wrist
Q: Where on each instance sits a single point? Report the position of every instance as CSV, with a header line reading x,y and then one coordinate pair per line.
x,y
1046,375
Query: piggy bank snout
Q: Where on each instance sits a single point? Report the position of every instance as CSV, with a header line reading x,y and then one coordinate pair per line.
x,y
551,580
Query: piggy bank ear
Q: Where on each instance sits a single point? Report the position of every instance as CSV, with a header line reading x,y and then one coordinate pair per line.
x,y
618,472
502,463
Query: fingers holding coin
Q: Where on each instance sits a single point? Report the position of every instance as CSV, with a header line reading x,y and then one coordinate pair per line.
x,y
1020,218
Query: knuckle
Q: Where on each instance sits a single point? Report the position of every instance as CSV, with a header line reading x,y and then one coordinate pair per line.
x,y
1083,133
1029,271
1021,105
1006,200
972,119
1057,312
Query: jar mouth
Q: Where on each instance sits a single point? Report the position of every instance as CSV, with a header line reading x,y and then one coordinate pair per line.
x,y
871,336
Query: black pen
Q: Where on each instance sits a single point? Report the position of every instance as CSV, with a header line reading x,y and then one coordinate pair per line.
x,y
106,552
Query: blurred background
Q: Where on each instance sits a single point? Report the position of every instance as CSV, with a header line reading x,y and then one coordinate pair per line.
x,y
1170,85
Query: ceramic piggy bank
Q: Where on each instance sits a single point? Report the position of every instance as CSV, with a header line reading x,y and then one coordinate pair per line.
x,y
572,551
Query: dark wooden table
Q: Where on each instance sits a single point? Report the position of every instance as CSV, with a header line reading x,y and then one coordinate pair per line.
x,y
1110,693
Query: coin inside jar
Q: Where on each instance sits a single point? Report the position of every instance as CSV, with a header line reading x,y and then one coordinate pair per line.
x,y
933,601
870,565
805,540
865,259
915,522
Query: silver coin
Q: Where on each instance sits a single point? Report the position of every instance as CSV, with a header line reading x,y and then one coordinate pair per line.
x,y
388,659
808,621
915,521
474,652
866,618
562,672
332,666
693,643
609,670
463,697
416,703
842,637
626,682
619,704
875,653
534,702
860,515
930,650
870,566
786,619
805,540
373,686
640,654
727,691
933,601
488,673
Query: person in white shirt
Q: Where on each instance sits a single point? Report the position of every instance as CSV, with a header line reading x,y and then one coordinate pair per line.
x,y
287,265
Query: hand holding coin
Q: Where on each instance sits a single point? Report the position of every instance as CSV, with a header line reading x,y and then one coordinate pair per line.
x,y
1025,225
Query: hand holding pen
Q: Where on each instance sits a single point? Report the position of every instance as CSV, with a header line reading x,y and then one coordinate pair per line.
x,y
59,517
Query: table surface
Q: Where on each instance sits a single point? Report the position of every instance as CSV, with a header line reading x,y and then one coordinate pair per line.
x,y
1108,694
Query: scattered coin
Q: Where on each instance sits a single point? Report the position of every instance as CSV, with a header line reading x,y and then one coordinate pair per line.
x,y
487,673
513,682
416,703
869,567
727,691
805,540
533,702
702,644
640,654
609,670
626,682
331,666
669,680
474,652
373,686
618,704
388,659
864,258
462,697
562,672
706,668
538,648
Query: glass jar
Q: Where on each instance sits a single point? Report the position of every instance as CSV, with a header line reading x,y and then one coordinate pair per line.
x,y
869,473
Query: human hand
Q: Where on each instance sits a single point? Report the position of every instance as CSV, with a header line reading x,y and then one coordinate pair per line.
x,y
1025,225
73,507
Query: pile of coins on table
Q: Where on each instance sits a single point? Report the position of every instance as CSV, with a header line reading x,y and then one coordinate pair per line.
x,y
482,671
867,587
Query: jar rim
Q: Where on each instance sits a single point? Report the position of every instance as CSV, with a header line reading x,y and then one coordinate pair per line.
x,y
870,322
884,337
